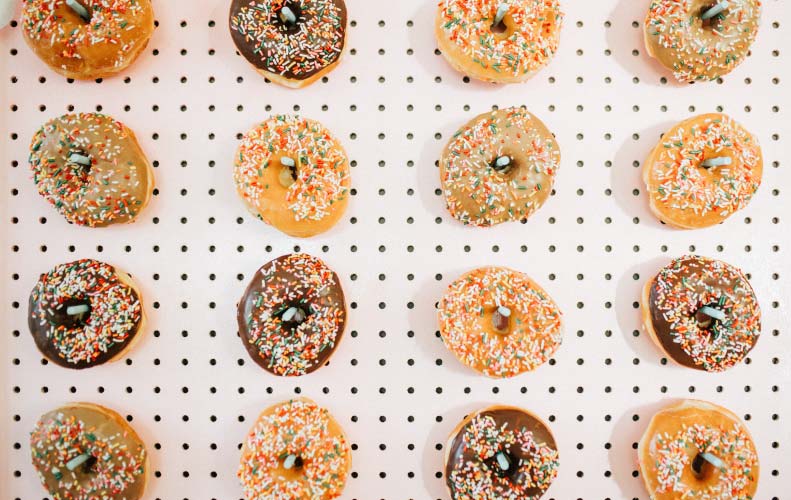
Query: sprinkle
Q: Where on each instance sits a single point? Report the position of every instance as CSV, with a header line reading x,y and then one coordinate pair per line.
x,y
502,10
288,162
289,461
83,160
713,313
77,461
717,162
716,462
79,9
287,15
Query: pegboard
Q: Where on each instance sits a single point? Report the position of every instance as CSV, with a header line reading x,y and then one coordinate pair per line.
x,y
189,386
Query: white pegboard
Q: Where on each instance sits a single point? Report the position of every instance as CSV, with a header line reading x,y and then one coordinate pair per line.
x,y
189,385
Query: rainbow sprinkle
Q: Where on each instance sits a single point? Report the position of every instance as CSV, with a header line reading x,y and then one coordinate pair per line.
x,y
297,428
535,322
115,316
691,282
467,24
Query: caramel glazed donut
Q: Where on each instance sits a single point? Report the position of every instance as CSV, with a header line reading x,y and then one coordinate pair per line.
x,y
702,313
499,167
290,42
703,170
292,315
83,451
698,450
500,453
85,313
294,175
503,41
295,449
701,40
499,322
91,169
87,39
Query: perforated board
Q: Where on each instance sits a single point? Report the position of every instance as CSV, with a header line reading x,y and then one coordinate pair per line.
x,y
189,386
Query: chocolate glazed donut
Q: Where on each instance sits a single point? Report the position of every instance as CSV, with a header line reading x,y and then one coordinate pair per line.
x,y
517,471
292,42
292,315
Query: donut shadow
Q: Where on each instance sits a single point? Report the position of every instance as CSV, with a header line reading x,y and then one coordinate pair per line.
x,y
434,459
625,177
622,455
622,39
424,42
431,291
629,318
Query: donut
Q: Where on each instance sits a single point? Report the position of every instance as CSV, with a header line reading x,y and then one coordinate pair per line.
x,y
501,41
85,313
293,174
499,322
499,167
83,451
500,453
295,449
292,315
702,313
87,39
290,42
695,449
703,170
701,40
91,169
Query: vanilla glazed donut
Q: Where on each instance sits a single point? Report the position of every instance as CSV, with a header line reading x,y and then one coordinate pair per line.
x,y
499,322
290,42
87,39
501,453
292,316
295,449
703,170
293,174
499,167
702,313
502,41
91,168
85,313
701,40
84,451
698,450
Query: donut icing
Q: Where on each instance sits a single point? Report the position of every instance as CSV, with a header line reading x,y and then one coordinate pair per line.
x,y
85,452
472,43
472,468
677,436
318,196
80,341
295,450
479,194
466,315
282,345
686,194
114,188
675,298
113,37
696,49
295,52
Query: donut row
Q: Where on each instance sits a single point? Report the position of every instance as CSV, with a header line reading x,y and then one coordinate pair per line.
x,y
297,450
296,42
293,173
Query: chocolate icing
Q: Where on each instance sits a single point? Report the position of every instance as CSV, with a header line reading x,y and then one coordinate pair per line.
x,y
688,267
515,419
40,330
252,48
266,287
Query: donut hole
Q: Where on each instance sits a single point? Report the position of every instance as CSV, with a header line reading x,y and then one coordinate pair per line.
x,y
701,468
74,312
708,323
503,164
80,9
713,23
283,16
502,464
293,314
